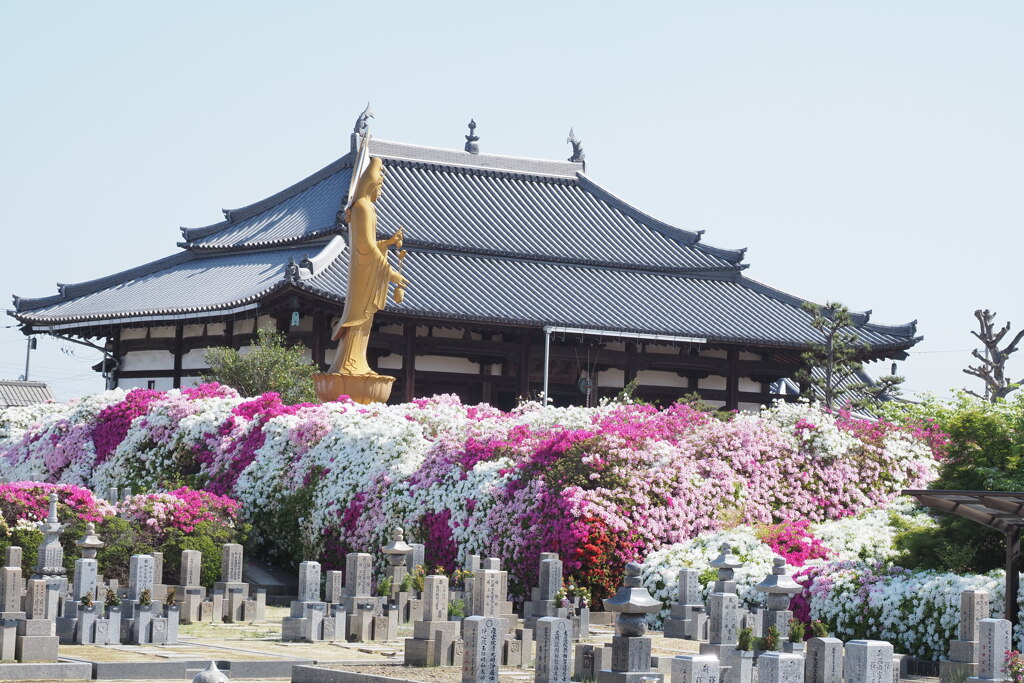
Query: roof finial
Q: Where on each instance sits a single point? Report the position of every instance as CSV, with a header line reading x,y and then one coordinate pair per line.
x,y
472,139
577,148
362,126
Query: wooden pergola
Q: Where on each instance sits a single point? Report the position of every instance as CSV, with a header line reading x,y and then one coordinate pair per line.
x,y
999,510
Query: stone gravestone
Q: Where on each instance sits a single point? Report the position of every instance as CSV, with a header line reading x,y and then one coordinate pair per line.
x,y
687,619
695,669
868,661
333,587
824,661
486,590
964,651
554,642
781,667
231,563
191,568
481,654
12,556
416,557
140,576
309,582
235,591
995,639
434,636
191,592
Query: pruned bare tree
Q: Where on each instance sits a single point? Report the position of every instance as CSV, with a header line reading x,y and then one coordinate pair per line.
x,y
993,359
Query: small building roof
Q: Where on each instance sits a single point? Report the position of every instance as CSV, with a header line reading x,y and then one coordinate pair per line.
x,y
19,393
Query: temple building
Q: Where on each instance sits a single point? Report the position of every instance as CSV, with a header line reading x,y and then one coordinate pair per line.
x,y
525,273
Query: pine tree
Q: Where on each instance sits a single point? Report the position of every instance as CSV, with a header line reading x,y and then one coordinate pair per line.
x,y
836,358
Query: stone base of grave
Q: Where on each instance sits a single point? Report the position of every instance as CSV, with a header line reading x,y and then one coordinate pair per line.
x,y
589,660
686,621
952,671
630,676
46,671
36,649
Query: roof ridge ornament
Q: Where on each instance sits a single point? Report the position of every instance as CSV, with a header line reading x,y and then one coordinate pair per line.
x,y
472,140
362,122
577,149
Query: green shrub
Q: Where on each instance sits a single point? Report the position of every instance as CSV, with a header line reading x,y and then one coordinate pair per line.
x,y
207,538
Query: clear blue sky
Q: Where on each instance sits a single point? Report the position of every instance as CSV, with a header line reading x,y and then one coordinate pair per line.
x,y
865,152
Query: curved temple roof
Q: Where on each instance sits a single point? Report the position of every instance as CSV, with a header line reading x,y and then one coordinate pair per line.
x,y
490,239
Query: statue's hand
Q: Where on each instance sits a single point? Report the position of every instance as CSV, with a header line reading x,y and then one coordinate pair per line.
x,y
397,239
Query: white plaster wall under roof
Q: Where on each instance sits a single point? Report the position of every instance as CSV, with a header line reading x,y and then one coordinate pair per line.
x,y
134,332
750,407
194,360
392,361
714,353
614,378
446,364
712,382
660,378
747,384
159,383
135,361
747,355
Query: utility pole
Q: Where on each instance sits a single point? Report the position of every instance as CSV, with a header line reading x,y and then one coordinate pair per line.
x,y
28,352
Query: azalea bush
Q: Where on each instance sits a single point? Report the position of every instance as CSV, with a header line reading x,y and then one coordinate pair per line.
x,y
144,523
601,486
852,587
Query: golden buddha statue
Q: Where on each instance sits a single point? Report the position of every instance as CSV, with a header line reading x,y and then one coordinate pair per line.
x,y
369,275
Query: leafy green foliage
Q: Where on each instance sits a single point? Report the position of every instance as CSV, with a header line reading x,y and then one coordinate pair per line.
x,y
269,365
745,641
457,608
985,453
207,538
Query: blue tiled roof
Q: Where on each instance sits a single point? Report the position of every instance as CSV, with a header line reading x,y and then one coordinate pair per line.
x,y
491,239
509,291
188,283
477,203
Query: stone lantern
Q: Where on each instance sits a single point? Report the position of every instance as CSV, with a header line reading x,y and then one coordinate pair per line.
x,y
50,562
396,552
726,563
779,588
631,651
90,543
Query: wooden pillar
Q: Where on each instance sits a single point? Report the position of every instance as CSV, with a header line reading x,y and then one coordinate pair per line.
x,y
732,381
629,372
485,374
179,333
1012,575
524,365
229,332
409,362
115,353
318,348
